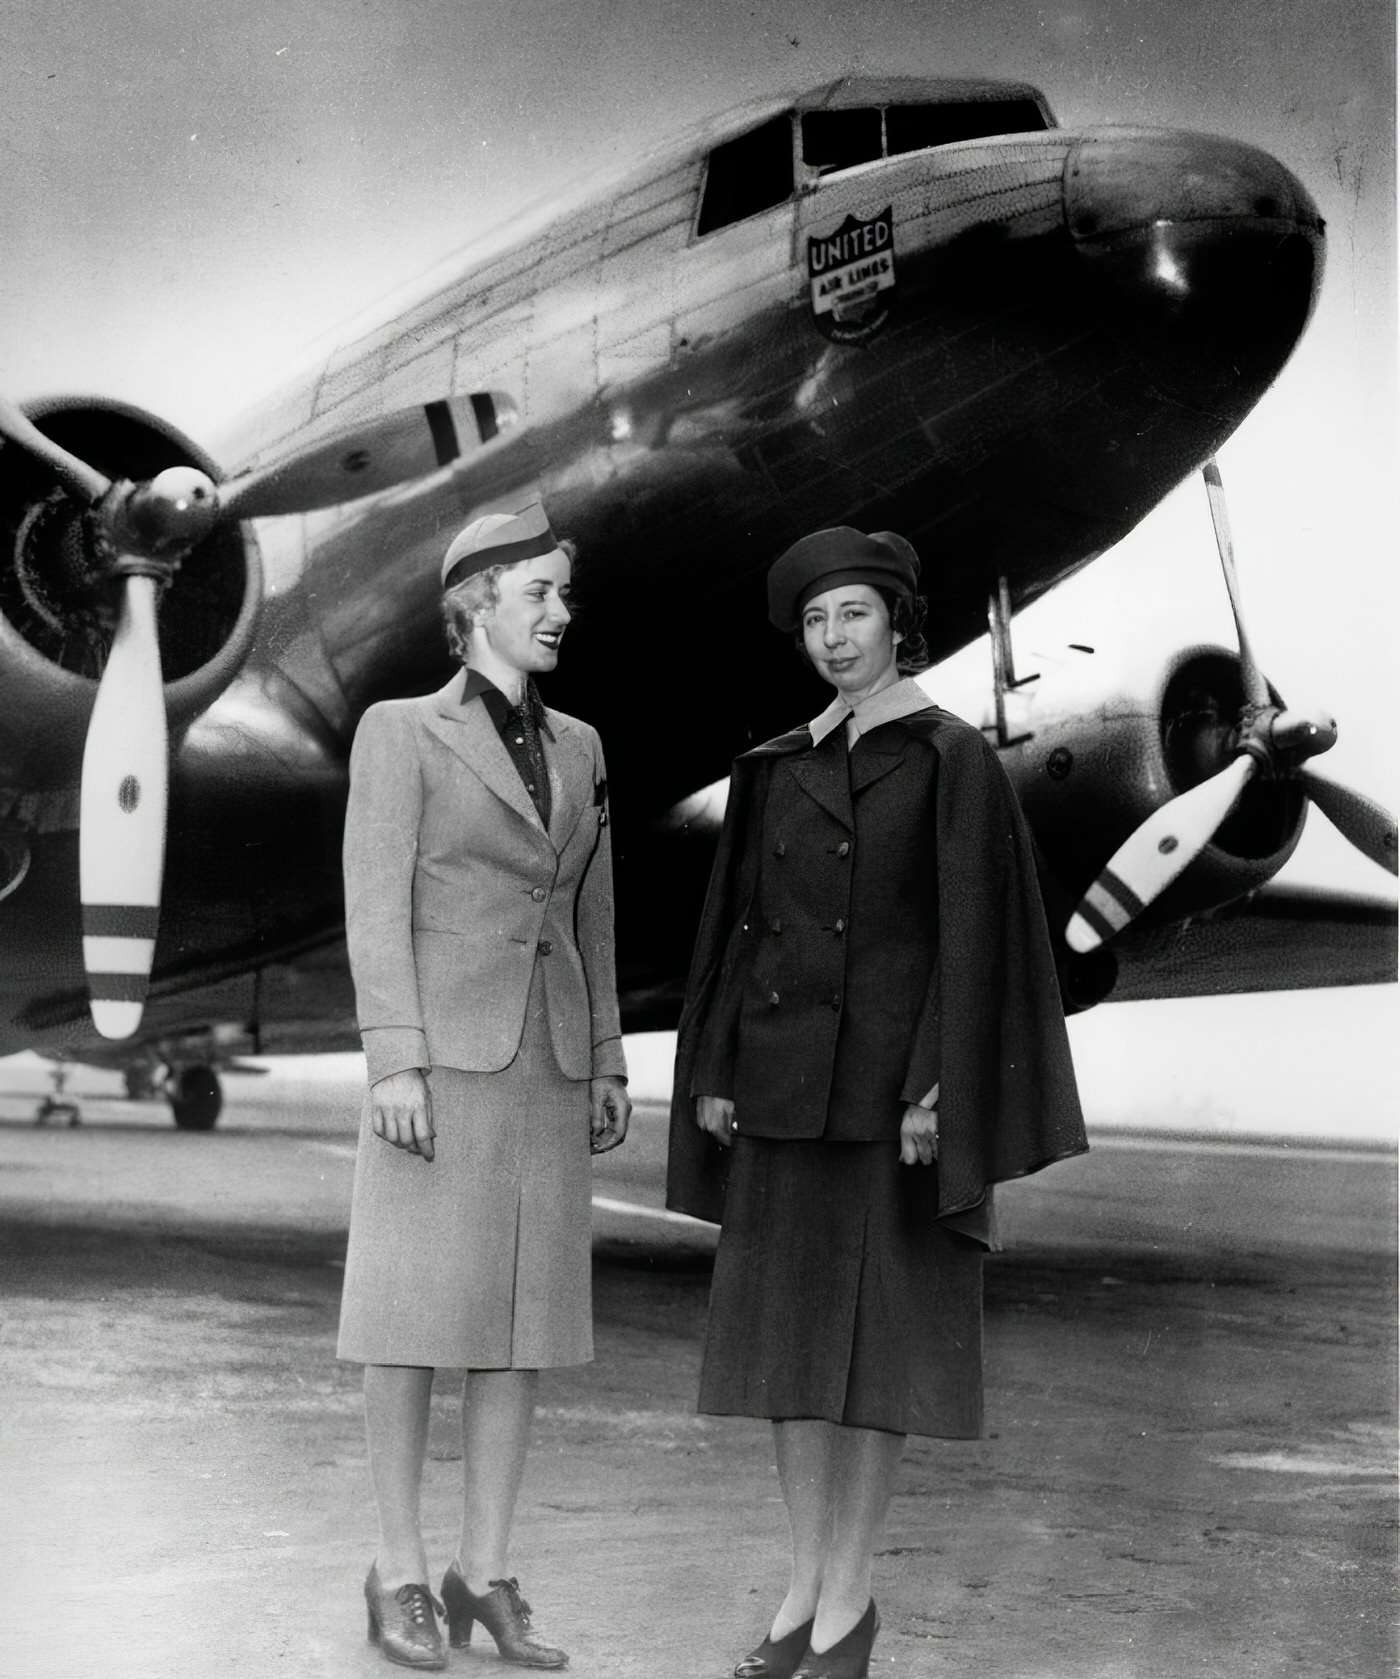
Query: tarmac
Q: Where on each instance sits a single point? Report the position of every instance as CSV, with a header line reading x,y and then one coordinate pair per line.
x,y
1189,1464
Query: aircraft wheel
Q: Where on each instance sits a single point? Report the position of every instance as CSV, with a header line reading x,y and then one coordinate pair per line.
x,y
196,1097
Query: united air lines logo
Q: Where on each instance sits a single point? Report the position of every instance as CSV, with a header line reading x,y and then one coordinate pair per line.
x,y
852,277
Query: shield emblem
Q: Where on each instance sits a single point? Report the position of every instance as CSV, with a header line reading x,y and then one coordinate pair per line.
x,y
852,277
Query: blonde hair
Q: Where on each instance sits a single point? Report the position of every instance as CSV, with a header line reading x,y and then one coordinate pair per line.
x,y
474,597
465,603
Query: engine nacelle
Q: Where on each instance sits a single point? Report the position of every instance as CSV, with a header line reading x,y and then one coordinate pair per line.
x,y
58,613
1094,748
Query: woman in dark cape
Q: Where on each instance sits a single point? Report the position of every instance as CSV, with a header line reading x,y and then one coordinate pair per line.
x,y
872,1037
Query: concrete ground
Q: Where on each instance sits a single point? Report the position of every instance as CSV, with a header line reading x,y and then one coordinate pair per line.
x,y
1189,1467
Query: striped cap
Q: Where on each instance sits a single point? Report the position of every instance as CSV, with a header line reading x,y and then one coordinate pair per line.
x,y
498,539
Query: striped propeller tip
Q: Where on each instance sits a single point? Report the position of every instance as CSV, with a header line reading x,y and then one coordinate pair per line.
x,y
115,1020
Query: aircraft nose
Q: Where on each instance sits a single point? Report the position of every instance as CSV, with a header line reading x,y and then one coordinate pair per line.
x,y
1119,180
1209,243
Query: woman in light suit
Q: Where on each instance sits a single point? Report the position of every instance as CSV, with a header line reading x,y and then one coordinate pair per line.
x,y
478,882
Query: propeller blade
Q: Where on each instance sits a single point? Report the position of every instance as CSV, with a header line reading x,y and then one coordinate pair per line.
x,y
1369,826
76,476
1255,687
121,843
1154,854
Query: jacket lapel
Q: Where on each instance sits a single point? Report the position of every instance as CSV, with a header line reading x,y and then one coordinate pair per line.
x,y
570,760
823,774
471,734
875,755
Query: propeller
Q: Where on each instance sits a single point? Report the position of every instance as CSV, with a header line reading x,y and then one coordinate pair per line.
x,y
1369,826
122,806
1270,740
142,533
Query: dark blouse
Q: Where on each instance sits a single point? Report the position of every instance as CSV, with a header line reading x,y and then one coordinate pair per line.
x,y
520,728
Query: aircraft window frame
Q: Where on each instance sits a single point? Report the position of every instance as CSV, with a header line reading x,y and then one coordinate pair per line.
x,y
735,188
832,120
956,114
742,175
1023,105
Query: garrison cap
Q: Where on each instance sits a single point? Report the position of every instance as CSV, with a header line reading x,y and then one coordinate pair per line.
x,y
826,559
498,539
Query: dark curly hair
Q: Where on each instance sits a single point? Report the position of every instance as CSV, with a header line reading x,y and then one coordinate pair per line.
x,y
907,614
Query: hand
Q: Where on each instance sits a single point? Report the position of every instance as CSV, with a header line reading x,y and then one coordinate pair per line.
x,y
609,1109
918,1135
715,1114
401,1111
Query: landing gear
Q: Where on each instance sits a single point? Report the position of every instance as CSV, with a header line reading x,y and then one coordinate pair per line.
x,y
53,1105
144,1081
196,1098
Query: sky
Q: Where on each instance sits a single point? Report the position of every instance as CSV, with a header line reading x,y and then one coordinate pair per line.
x,y
190,194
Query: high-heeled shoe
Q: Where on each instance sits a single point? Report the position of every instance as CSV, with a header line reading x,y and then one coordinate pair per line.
x,y
403,1623
848,1657
504,1614
776,1658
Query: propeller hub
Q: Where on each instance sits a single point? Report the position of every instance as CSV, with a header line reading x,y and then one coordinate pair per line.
x,y
1303,734
164,517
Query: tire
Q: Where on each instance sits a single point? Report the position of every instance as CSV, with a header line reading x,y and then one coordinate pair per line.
x,y
196,1098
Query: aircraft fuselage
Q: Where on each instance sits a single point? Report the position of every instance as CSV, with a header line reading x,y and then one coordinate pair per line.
x,y
1008,347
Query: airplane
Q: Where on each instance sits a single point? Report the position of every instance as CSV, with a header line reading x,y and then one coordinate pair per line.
x,y
904,303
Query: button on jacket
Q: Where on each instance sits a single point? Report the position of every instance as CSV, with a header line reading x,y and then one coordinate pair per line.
x,y
455,888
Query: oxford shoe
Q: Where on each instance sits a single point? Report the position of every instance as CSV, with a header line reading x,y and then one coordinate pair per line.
x,y
505,1615
403,1623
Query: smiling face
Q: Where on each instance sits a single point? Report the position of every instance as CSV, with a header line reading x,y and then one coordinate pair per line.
x,y
519,636
848,637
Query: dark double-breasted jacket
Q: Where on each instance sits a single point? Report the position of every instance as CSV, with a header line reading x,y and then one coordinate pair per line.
x,y
835,956
873,928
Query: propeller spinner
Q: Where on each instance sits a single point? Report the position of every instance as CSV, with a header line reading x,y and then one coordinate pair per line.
x,y
1270,740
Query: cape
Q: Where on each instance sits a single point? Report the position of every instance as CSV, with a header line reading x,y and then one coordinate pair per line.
x,y
1008,1103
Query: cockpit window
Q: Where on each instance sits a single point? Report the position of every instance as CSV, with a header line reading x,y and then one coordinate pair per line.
x,y
747,175
910,128
841,139
755,171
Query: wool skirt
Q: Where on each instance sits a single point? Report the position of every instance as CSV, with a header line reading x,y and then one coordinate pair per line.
x,y
481,1260
838,1296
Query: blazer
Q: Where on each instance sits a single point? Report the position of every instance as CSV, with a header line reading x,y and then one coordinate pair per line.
x,y
987,1022
454,890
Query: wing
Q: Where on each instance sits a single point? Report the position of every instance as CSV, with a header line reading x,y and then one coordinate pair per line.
x,y
1280,938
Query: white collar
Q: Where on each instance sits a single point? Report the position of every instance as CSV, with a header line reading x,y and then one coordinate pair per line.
x,y
900,699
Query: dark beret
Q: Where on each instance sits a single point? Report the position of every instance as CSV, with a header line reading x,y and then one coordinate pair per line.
x,y
826,559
